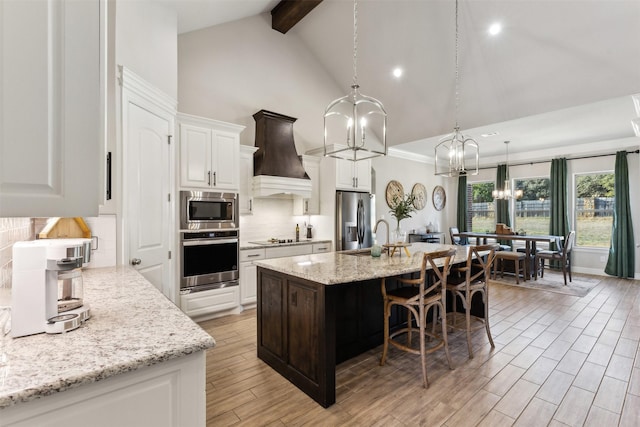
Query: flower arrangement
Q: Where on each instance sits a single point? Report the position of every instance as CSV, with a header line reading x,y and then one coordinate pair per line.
x,y
402,207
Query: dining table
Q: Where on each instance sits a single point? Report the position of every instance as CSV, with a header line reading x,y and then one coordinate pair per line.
x,y
529,240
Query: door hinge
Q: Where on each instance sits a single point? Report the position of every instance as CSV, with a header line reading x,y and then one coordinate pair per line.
x,y
169,139
169,254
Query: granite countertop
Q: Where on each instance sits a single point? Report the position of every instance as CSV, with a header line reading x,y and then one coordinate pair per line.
x,y
253,245
341,267
132,326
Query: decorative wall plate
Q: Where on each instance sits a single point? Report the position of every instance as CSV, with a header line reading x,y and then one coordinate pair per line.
x,y
394,190
420,196
439,198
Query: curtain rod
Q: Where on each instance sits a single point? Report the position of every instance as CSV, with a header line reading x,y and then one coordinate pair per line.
x,y
569,158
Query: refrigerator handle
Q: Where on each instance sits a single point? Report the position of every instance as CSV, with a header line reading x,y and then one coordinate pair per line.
x,y
360,222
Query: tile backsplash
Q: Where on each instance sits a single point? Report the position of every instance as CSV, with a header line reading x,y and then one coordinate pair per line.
x,y
12,230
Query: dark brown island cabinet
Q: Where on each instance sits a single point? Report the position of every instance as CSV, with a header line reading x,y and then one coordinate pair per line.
x,y
306,328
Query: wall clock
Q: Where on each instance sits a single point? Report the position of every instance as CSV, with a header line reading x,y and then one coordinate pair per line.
x,y
420,196
394,191
439,198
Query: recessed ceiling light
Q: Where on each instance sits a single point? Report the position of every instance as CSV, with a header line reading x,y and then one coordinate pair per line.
x,y
487,135
397,72
495,28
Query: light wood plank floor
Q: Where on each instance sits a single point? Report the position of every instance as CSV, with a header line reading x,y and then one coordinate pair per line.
x,y
559,360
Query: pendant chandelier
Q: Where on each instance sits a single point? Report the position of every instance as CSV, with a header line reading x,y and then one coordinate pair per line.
x,y
355,126
506,193
456,153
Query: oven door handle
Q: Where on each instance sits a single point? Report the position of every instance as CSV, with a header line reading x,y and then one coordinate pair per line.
x,y
208,242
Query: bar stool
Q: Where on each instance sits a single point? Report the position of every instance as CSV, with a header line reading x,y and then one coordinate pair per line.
x,y
477,271
418,297
519,261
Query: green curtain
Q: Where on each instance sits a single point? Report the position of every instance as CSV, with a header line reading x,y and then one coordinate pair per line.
x,y
621,262
502,206
461,217
559,223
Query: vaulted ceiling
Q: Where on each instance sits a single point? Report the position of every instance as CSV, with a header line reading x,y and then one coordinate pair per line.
x,y
560,73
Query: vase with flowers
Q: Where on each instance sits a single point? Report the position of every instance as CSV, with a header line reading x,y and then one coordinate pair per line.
x,y
401,208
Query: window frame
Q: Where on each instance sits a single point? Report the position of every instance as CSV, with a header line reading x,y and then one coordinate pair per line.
x,y
512,206
574,203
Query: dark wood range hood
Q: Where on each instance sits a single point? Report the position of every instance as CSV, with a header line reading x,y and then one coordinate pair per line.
x,y
277,168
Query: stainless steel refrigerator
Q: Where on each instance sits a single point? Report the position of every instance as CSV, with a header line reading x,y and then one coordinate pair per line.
x,y
355,216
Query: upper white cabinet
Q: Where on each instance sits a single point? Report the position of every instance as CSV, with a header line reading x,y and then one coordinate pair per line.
x,y
209,153
246,179
353,176
50,108
311,205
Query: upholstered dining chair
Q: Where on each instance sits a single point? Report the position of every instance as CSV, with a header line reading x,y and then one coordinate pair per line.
x,y
472,279
456,240
563,256
418,295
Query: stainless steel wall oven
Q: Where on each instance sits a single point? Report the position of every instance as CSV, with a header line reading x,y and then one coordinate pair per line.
x,y
209,260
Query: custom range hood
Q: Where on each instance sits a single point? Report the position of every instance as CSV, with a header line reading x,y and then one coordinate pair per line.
x,y
277,169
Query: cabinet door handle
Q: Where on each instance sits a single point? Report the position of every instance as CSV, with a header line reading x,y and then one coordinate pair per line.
x,y
253,255
136,261
209,178
356,182
306,206
294,299
214,179
250,205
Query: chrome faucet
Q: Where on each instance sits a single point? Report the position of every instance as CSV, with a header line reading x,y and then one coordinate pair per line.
x,y
375,229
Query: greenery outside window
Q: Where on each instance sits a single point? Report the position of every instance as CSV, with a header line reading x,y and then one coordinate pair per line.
x,y
481,216
533,210
595,198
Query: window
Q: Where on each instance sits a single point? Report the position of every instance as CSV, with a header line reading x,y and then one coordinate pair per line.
x,y
532,211
594,209
481,215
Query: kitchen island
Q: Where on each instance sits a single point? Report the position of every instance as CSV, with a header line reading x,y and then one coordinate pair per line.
x,y
138,361
315,311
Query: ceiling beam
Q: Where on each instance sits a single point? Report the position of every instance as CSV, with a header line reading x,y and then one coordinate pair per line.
x,y
288,13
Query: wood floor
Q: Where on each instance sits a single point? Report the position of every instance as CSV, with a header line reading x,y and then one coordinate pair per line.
x,y
559,360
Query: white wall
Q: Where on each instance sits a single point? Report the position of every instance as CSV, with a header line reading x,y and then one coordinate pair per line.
x,y
231,71
147,42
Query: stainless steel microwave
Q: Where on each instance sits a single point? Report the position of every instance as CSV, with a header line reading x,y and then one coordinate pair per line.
x,y
203,210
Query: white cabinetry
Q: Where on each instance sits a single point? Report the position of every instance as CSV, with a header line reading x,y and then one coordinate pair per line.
x,y
311,205
319,248
248,275
209,153
168,394
246,179
50,108
198,304
353,176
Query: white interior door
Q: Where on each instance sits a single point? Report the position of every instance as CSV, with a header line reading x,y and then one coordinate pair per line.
x,y
147,190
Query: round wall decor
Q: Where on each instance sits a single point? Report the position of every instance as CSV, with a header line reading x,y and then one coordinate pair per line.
x,y
439,198
394,190
420,196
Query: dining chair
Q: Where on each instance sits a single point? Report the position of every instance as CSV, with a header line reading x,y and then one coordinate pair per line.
x,y
519,264
418,296
563,255
472,280
456,240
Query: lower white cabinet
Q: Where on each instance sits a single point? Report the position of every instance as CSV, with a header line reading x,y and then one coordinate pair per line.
x,y
248,275
248,268
203,303
319,248
169,394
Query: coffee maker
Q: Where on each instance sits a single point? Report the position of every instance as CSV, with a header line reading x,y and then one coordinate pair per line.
x,y
47,286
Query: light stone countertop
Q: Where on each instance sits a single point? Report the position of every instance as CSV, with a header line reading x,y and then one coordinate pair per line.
x,y
340,267
132,326
251,245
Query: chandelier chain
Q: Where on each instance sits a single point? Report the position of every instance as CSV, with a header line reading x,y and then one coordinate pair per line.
x,y
355,42
457,88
